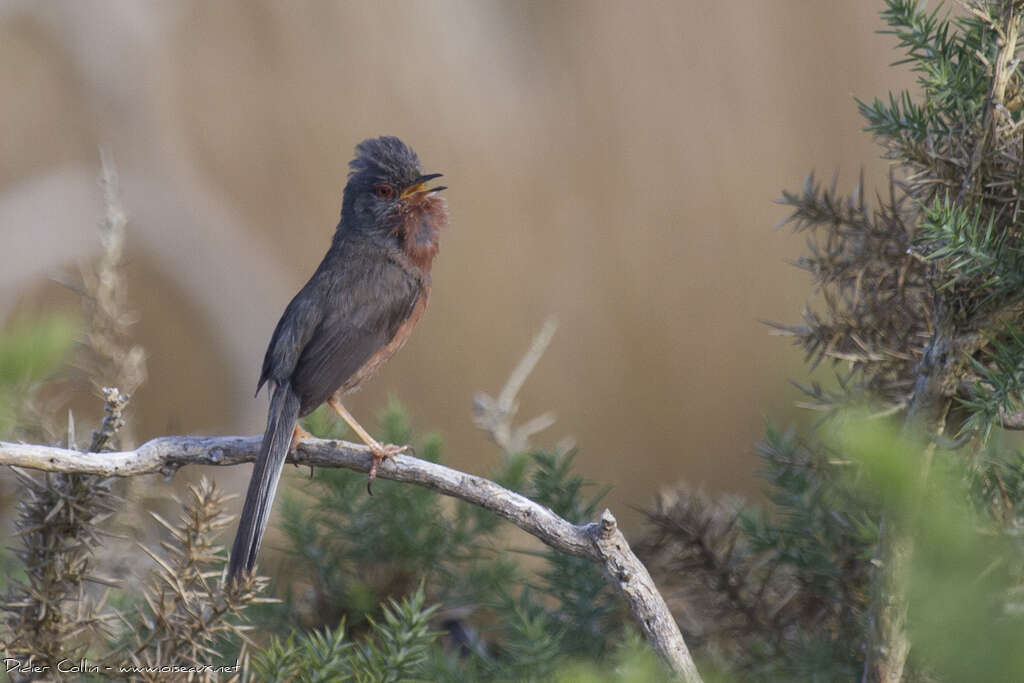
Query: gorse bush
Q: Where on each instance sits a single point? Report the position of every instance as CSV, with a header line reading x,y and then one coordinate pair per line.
x,y
911,543
899,533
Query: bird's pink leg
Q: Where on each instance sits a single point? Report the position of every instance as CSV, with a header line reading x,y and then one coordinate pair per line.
x,y
377,449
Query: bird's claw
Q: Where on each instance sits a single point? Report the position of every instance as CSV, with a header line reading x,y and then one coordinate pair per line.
x,y
379,453
298,435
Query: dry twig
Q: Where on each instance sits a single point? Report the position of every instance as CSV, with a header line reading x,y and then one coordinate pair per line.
x,y
494,415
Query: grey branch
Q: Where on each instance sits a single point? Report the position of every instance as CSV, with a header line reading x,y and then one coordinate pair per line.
x,y
600,542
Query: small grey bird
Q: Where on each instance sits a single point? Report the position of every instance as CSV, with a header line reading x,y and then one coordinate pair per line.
x,y
355,312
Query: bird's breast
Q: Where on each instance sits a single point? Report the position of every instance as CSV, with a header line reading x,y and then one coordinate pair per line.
x,y
378,359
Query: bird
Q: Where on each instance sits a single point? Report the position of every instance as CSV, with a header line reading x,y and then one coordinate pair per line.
x,y
357,309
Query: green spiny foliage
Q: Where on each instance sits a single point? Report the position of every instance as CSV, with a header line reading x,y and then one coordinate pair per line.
x,y
397,649
940,260
533,640
319,656
944,53
587,609
975,255
996,482
360,551
923,297
997,388
821,546
400,644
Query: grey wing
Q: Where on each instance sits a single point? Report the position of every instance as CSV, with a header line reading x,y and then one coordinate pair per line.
x,y
296,327
362,317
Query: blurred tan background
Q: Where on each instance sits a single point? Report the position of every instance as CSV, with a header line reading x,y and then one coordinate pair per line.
x,y
612,163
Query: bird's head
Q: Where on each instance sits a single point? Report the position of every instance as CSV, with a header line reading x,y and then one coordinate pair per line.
x,y
387,197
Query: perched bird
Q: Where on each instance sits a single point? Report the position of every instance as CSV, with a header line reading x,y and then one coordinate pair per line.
x,y
355,312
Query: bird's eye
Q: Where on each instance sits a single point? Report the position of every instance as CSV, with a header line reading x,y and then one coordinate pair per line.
x,y
383,191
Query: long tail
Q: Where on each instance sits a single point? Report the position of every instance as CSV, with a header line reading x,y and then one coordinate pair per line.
x,y
284,413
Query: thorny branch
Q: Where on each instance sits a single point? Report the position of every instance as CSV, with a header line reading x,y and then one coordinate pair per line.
x,y
58,522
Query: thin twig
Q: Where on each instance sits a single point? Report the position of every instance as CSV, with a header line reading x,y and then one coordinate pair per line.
x,y
494,415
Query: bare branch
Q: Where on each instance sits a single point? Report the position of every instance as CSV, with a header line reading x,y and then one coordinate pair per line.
x,y
112,423
600,542
494,415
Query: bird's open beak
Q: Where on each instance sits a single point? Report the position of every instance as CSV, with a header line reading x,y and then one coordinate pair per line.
x,y
419,187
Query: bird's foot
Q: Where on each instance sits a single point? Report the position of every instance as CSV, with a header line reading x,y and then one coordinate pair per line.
x,y
298,434
380,452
